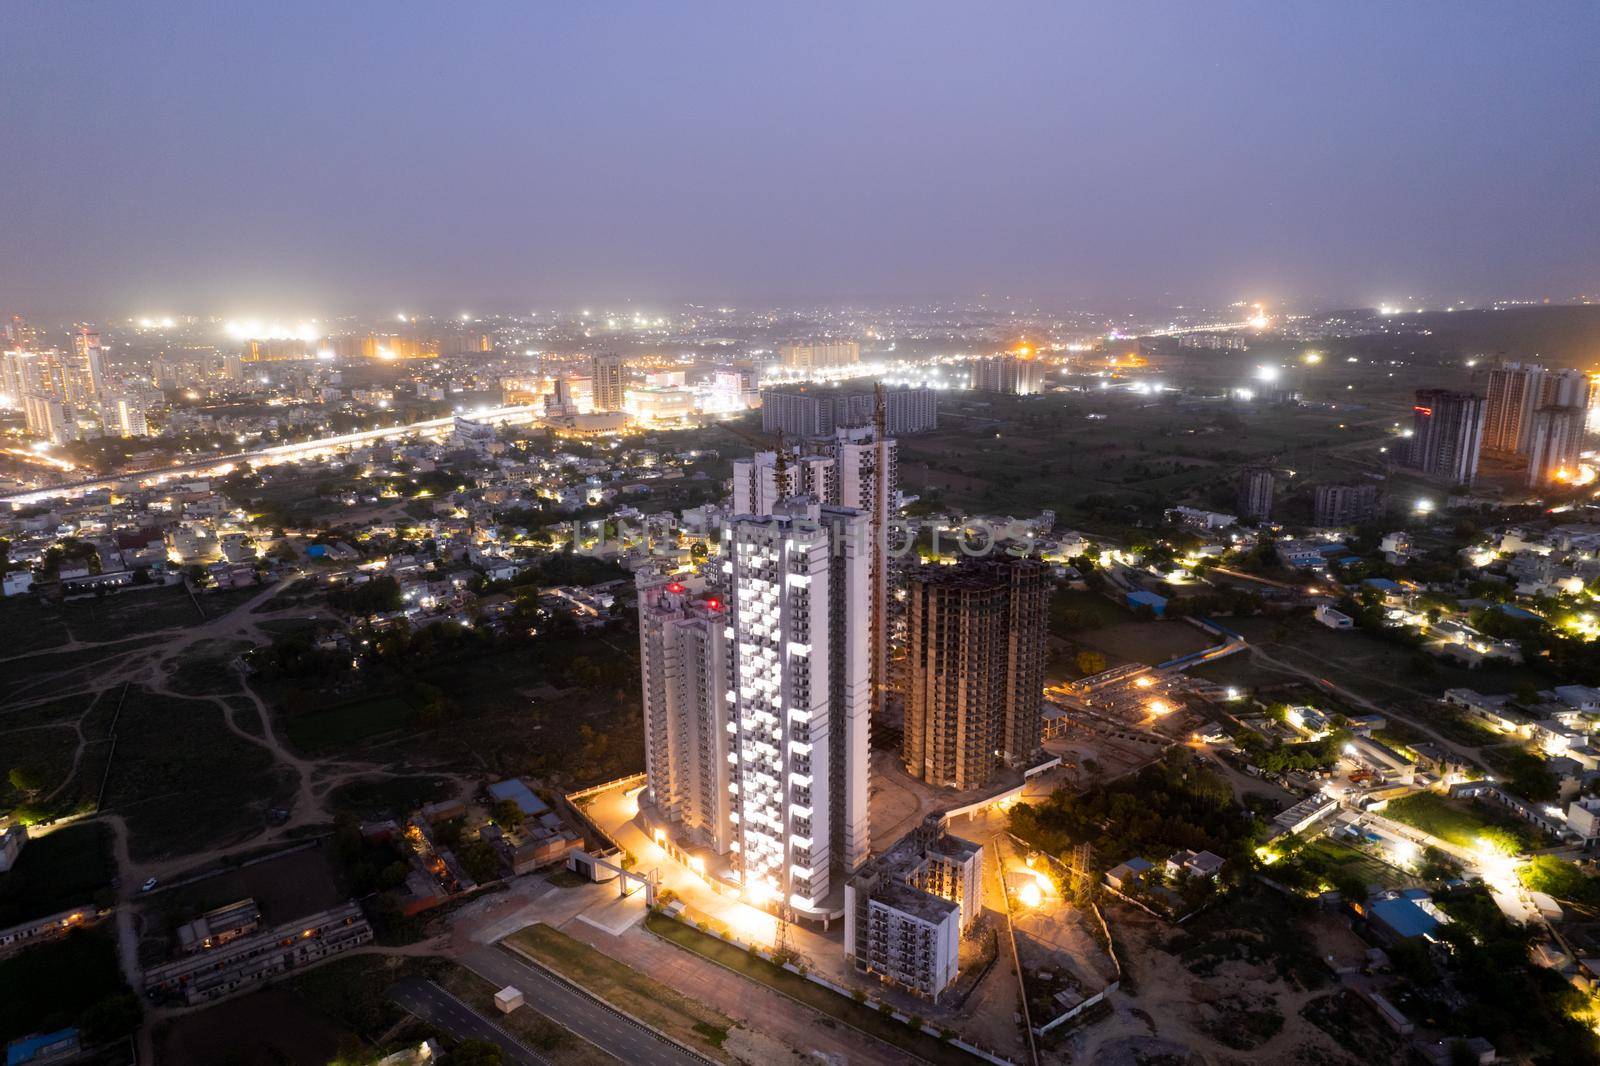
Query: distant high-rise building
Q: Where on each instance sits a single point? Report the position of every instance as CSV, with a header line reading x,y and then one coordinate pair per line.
x,y
86,374
1516,391
21,335
1009,374
820,355
1345,505
803,412
1447,434
1555,440
49,419
124,416
1254,502
792,711
976,644
609,382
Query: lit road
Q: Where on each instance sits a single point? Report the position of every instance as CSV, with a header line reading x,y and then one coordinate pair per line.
x,y
437,1007
277,453
589,1017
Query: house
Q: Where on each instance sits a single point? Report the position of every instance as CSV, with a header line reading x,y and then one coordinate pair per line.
x,y
44,1047
1397,916
1333,619
18,582
11,843
1157,604
1124,875
1301,554
1194,864
1583,818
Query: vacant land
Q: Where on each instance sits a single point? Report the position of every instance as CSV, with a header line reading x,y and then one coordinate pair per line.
x,y
1459,822
67,868
211,789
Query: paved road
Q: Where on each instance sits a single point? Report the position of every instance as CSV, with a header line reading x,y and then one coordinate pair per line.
x,y
437,1007
590,1018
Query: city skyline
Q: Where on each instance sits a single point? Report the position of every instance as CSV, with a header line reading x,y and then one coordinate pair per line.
x,y
371,159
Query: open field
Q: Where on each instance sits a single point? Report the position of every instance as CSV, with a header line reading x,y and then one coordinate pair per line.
x,y
1340,858
1017,455
674,1013
68,867
27,624
1151,643
1459,822
213,788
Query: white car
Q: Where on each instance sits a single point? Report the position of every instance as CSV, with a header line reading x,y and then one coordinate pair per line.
x,y
148,885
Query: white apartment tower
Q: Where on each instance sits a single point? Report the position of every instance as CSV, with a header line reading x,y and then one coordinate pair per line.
x,y
1555,440
862,472
683,655
759,484
801,690
757,708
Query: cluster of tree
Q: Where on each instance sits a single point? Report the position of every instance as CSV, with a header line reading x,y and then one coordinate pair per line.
x,y
1282,758
381,595
1173,804
1227,600
67,551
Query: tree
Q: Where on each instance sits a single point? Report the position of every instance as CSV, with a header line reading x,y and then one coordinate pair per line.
x,y
507,814
115,1016
474,1053
1091,662
481,862
26,779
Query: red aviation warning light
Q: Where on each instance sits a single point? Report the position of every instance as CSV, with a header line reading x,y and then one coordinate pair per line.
x,y
674,587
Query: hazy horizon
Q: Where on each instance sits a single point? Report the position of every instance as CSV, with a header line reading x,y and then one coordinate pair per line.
x,y
311,159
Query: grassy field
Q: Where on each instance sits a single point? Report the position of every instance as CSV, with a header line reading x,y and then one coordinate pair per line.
x,y
1015,455
347,724
826,1001
1458,822
66,868
375,797
674,1013
1341,858
211,789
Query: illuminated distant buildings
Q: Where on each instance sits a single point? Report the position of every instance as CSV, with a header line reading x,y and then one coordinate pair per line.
x,y
1554,441
1516,392
85,375
49,419
607,373
1345,505
1254,502
1009,374
660,406
805,411
1447,434
788,726
821,355
384,347
124,416
977,644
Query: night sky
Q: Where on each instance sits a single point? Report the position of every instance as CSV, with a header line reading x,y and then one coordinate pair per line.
x,y
317,158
